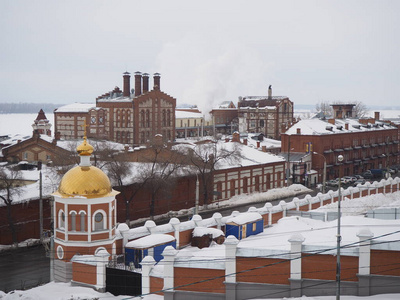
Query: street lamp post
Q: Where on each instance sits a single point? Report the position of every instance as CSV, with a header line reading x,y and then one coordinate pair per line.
x,y
324,173
339,238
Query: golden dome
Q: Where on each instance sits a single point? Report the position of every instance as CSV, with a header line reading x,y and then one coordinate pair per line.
x,y
85,148
85,181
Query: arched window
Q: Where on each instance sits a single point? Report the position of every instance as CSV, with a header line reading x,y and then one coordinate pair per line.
x,y
61,219
117,118
122,118
99,220
127,118
73,221
83,221
147,118
142,118
168,118
164,118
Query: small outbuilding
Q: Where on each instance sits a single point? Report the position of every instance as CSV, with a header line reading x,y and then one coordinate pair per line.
x,y
151,245
203,237
244,225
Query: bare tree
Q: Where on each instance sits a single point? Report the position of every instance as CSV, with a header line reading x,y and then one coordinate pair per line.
x,y
10,181
324,107
117,168
63,164
360,110
159,171
206,157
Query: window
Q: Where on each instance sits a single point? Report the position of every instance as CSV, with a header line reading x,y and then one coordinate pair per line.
x,y
168,118
61,219
147,118
73,221
99,221
254,226
164,118
60,252
83,223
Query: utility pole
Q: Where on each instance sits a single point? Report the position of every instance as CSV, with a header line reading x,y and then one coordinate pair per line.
x,y
196,209
288,167
40,202
339,237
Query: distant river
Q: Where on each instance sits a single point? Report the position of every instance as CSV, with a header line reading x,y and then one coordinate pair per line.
x,y
11,124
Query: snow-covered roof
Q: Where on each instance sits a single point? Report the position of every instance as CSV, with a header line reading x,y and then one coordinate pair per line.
x,y
320,127
269,143
201,231
150,241
116,99
257,98
244,218
179,114
76,107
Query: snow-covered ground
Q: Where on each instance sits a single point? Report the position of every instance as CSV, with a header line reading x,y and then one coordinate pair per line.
x,y
64,291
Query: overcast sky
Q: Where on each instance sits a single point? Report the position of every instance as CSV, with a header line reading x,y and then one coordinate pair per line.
x,y
206,51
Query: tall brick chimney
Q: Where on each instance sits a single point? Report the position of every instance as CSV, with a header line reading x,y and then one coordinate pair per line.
x,y
138,84
270,92
377,116
156,78
145,83
127,84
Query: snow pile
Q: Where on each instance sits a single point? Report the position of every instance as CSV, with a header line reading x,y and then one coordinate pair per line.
x,y
150,241
363,205
201,231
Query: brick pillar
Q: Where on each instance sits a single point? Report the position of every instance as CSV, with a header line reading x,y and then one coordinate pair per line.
x,y
296,243
101,262
230,267
364,261
150,225
283,205
147,264
197,219
268,207
218,219
176,224
169,254
296,202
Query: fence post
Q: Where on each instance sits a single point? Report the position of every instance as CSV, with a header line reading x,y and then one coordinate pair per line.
x,y
176,224
296,242
147,264
231,243
101,262
218,218
364,261
283,205
169,254
268,207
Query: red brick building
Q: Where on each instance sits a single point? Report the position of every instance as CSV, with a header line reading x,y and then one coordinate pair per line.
x,y
364,144
39,147
265,114
130,116
225,117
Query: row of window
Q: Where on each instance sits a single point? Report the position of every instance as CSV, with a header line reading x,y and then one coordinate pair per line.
x,y
78,221
247,186
145,118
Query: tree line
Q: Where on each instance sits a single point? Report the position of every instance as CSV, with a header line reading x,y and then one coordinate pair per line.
x,y
21,107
